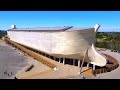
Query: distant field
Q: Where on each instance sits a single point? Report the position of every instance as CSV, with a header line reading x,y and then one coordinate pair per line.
x,y
108,40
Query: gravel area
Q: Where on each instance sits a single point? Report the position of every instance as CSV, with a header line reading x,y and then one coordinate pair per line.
x,y
38,67
11,61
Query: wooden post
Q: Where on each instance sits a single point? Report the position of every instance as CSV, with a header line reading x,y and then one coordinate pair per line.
x,y
74,62
63,61
83,60
59,60
93,67
79,63
88,65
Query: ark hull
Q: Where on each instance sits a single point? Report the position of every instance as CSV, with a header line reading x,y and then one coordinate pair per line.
x,y
62,44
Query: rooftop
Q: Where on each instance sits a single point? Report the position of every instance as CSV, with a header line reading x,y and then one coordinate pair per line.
x,y
60,28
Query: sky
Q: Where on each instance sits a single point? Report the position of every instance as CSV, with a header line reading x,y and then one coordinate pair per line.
x,y
109,20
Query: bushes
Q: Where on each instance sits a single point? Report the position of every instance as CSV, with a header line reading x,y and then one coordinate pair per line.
x,y
2,33
112,40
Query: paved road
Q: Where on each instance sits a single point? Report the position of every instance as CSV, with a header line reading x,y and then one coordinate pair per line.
x,y
115,74
10,61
